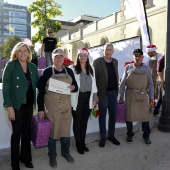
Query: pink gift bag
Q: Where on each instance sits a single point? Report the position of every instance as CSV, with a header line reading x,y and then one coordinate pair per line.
x,y
121,113
41,62
40,131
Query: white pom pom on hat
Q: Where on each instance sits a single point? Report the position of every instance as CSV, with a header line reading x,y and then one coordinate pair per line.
x,y
83,50
151,48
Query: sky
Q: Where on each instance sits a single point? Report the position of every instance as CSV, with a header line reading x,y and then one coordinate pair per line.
x,y
74,8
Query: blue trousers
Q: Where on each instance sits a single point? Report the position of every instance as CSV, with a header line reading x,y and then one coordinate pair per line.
x,y
65,145
109,101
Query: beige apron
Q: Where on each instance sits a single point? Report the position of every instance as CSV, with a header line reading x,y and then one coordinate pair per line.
x,y
58,108
137,102
153,67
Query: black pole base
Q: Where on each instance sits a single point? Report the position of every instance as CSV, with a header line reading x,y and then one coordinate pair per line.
x,y
164,124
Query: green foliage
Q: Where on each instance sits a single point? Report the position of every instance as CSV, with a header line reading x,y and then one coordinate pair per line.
x,y
34,54
8,45
44,11
60,44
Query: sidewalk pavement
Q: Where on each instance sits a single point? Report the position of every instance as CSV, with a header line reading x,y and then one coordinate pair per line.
x,y
134,156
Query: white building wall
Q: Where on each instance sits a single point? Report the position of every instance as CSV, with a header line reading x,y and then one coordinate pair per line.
x,y
122,25
106,22
90,28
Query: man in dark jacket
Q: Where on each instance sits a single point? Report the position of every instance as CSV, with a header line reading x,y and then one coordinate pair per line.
x,y
106,69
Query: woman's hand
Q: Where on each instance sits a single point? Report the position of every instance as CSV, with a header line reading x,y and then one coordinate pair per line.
x,y
121,100
152,103
11,113
95,102
41,115
72,87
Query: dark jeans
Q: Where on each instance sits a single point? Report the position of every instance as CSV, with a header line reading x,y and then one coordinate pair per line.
x,y
21,130
81,116
145,129
159,102
65,145
108,101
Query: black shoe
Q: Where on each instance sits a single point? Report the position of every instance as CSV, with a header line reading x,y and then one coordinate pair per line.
x,y
69,158
28,164
15,168
129,139
147,141
114,140
79,147
53,162
102,143
84,147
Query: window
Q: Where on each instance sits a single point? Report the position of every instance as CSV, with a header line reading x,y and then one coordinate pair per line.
x,y
21,34
6,20
7,5
145,2
20,21
148,3
20,28
20,15
6,33
6,14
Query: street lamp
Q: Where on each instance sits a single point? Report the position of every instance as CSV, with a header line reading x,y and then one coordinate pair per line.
x,y
164,121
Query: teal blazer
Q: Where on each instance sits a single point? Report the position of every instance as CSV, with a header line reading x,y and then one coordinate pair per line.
x,y
14,83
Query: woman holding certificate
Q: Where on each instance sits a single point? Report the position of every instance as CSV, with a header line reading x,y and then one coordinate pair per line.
x,y
54,102
84,99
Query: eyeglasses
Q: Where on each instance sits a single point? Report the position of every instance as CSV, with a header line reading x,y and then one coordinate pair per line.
x,y
50,32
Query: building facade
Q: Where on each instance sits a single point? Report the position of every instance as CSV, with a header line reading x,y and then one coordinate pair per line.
x,y
116,27
14,20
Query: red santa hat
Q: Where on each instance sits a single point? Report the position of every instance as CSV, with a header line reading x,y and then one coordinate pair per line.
x,y
151,48
127,63
83,50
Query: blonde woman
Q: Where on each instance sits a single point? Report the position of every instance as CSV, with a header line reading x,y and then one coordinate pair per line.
x,y
19,82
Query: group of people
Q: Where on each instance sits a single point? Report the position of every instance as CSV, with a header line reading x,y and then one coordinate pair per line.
x,y
88,85
156,63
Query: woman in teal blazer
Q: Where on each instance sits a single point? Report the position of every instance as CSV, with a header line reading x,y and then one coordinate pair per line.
x,y
19,83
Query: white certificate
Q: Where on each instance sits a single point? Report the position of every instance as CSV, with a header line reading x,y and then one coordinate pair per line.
x,y
59,86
